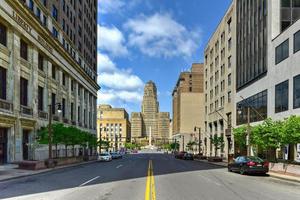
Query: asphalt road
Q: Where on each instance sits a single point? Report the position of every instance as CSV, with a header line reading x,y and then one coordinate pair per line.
x,y
126,179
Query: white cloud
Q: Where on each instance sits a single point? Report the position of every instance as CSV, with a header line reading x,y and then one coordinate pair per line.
x,y
110,6
105,64
119,87
111,40
120,80
161,36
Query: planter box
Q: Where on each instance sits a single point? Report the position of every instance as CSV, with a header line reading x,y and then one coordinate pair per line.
x,y
285,168
215,159
32,165
68,161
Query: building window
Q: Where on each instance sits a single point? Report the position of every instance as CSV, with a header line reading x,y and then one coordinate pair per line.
x,y
282,51
72,85
282,97
78,114
229,97
3,35
72,111
24,50
23,91
40,98
63,107
285,3
54,32
297,92
44,2
64,79
229,62
79,90
258,104
229,79
31,5
229,44
53,102
297,42
45,20
229,25
41,62
54,12
2,83
53,72
38,13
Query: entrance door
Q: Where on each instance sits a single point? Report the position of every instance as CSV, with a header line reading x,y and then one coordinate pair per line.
x,y
3,145
25,144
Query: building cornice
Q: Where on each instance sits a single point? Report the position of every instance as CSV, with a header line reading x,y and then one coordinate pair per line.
x,y
47,36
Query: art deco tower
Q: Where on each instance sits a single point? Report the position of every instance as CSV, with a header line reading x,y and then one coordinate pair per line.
x,y
150,117
150,109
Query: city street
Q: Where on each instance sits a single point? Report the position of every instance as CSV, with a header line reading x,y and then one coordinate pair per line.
x,y
127,179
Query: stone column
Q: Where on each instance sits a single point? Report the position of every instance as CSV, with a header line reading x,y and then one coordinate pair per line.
x,y
16,70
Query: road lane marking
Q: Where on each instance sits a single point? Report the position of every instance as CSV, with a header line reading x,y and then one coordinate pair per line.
x,y
119,166
150,193
83,184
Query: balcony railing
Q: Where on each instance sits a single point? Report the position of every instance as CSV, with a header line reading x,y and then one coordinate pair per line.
x,y
26,110
55,118
5,105
43,115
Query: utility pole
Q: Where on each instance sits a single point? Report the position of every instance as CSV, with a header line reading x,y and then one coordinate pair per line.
x,y
248,132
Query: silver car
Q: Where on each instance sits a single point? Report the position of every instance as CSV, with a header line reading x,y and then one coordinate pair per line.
x,y
104,157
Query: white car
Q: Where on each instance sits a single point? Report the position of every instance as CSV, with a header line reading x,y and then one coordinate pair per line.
x,y
104,157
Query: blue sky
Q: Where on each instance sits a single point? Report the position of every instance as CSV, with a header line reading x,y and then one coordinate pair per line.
x,y
141,40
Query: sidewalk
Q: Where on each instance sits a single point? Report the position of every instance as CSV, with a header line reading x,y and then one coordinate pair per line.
x,y
10,171
290,177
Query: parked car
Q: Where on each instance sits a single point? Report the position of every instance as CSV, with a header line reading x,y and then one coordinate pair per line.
x,y
180,155
249,164
116,155
188,156
135,151
104,157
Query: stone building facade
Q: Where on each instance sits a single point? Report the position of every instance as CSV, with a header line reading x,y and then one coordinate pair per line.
x,y
40,66
188,105
114,125
219,84
150,117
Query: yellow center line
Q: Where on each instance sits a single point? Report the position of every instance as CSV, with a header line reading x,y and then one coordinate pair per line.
x,y
150,193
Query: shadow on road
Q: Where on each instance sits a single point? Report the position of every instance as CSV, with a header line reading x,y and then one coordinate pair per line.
x,y
130,167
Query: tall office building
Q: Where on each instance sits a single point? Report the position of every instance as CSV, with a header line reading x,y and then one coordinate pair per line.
x,y
150,119
47,56
113,126
188,105
219,81
267,61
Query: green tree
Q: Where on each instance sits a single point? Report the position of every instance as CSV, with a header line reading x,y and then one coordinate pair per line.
x,y
190,145
291,130
240,137
174,146
218,142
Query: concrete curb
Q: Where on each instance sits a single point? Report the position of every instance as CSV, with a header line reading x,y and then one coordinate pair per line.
x,y
44,171
271,174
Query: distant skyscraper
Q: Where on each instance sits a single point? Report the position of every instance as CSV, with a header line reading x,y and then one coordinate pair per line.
x,y
150,116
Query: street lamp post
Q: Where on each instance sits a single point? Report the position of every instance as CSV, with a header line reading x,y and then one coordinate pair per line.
x,y
50,161
199,136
